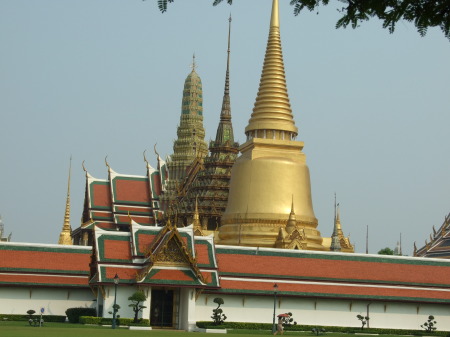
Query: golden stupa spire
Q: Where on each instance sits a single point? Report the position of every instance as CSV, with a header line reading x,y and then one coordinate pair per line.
x,y
64,237
272,115
196,219
292,222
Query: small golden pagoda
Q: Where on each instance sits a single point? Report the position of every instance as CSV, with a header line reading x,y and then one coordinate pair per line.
x,y
65,235
272,167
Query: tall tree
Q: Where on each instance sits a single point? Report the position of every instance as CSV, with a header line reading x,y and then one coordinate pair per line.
x,y
423,13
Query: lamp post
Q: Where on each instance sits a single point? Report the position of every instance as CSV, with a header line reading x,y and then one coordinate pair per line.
x,y
116,282
275,289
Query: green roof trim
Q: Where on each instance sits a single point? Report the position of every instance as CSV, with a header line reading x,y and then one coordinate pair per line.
x,y
331,256
330,279
61,285
92,195
189,273
44,249
210,254
101,247
43,272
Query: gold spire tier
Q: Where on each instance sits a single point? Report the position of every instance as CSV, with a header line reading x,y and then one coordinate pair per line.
x,y
272,114
271,174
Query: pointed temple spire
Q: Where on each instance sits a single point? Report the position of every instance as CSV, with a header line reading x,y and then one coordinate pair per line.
x,y
292,222
210,183
225,128
272,114
65,236
335,242
196,220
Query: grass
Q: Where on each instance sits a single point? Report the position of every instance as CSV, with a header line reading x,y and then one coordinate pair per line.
x,y
22,329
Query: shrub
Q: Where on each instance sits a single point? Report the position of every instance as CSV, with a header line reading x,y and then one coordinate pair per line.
x,y
47,318
430,324
218,316
136,299
108,321
73,314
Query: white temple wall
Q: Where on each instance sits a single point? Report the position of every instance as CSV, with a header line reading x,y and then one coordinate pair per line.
x,y
55,301
325,312
123,292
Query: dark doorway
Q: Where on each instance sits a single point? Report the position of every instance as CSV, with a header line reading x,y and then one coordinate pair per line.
x,y
161,311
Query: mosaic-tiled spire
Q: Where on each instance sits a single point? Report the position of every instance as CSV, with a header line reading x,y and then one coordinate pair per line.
x,y
212,183
225,130
190,142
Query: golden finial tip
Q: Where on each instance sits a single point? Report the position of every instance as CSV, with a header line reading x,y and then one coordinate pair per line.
x,y
275,18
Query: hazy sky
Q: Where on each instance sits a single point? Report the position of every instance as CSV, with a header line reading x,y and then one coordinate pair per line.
x,y
105,77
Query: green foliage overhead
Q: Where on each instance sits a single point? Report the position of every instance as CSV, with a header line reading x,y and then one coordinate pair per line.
x,y
423,13
386,251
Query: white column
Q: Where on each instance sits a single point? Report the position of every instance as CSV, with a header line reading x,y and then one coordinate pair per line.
x,y
187,309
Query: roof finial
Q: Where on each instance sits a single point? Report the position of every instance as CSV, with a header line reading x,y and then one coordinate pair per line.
x,y
145,158
194,65
64,237
106,162
292,205
275,18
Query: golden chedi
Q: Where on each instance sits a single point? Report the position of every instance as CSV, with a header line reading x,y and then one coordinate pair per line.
x,y
271,174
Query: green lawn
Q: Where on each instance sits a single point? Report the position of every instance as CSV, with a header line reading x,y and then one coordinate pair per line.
x,y
22,329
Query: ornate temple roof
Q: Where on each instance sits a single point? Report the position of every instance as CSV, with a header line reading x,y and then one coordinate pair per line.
x,y
156,256
439,242
108,203
249,270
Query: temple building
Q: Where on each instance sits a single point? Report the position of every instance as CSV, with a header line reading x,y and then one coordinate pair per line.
x,y
261,198
438,245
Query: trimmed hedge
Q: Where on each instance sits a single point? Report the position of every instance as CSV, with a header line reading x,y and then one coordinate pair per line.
x,y
108,321
298,327
46,318
74,314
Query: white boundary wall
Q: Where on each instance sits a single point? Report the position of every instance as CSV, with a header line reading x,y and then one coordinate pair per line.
x,y
325,312
55,301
